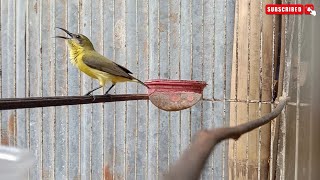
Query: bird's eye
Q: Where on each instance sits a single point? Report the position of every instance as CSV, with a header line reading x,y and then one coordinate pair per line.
x,y
77,36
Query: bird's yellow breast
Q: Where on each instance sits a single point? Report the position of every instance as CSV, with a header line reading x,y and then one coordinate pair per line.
x,y
76,56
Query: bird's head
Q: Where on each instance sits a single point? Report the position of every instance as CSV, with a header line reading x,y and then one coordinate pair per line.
x,y
76,41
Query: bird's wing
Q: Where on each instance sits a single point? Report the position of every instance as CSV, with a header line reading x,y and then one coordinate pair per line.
x,y
123,68
101,63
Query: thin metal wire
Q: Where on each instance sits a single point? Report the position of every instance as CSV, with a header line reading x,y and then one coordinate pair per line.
x,y
256,101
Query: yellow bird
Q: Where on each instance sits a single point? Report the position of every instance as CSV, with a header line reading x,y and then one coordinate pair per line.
x,y
89,61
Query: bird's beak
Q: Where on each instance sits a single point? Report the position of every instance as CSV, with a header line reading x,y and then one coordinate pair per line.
x,y
69,33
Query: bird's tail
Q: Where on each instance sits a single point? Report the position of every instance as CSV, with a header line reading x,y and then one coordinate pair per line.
x,y
137,80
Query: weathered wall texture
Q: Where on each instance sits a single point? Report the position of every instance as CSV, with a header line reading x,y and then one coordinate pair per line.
x,y
175,39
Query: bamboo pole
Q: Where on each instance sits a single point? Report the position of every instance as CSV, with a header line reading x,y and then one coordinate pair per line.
x,y
251,80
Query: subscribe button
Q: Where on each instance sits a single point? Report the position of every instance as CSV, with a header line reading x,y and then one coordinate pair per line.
x,y
307,9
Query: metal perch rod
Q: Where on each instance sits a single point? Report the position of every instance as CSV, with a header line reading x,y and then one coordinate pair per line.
x,y
34,102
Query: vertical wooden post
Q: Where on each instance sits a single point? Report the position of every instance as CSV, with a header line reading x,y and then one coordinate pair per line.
x,y
251,82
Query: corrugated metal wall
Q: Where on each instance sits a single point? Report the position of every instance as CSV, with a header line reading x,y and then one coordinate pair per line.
x,y
175,39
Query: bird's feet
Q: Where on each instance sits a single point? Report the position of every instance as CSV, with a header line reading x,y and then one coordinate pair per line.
x,y
88,94
106,94
94,98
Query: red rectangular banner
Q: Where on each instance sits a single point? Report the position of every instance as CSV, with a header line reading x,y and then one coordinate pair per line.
x,y
284,9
